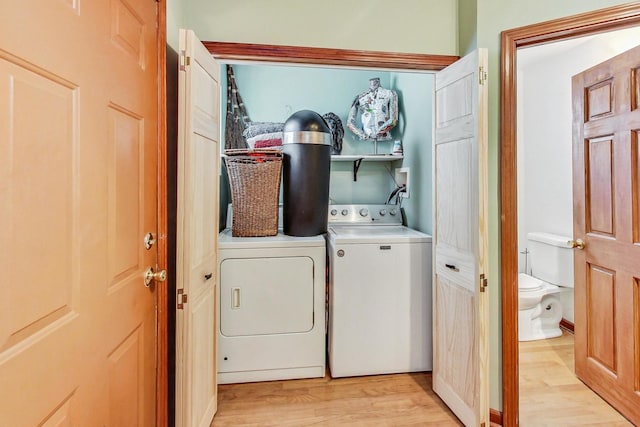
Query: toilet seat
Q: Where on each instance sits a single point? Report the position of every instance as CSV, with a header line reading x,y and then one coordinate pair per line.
x,y
528,283
532,289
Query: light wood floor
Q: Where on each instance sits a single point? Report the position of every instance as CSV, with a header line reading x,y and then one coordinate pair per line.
x,y
551,394
384,400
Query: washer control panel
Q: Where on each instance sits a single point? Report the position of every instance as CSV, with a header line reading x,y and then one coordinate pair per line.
x,y
365,214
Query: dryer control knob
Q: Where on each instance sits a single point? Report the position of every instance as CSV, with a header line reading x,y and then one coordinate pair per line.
x,y
383,212
393,212
364,212
334,212
344,212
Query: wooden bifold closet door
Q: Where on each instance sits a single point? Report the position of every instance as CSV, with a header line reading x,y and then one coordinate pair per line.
x,y
197,233
460,300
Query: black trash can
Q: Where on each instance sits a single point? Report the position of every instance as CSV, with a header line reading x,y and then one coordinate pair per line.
x,y
306,164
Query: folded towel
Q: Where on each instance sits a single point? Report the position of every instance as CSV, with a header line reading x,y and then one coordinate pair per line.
x,y
258,141
260,128
268,143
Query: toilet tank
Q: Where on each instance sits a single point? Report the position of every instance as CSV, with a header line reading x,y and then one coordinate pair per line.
x,y
551,258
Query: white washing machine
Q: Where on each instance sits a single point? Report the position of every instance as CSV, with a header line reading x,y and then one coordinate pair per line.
x,y
379,292
271,300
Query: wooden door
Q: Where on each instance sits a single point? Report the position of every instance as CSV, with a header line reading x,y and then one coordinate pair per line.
x,y
197,233
78,185
460,303
606,186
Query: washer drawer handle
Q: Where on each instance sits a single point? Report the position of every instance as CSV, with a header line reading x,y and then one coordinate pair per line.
x,y
452,267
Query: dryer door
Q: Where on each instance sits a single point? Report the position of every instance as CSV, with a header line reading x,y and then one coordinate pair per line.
x,y
264,296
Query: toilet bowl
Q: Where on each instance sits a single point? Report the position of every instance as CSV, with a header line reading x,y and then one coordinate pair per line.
x,y
539,309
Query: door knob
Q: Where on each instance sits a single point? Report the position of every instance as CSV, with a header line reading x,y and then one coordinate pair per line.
x,y
577,243
150,276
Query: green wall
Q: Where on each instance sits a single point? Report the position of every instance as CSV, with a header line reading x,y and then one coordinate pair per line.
x,y
422,26
417,26
467,25
175,20
273,93
415,100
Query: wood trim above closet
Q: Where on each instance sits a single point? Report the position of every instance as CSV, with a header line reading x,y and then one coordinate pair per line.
x,y
224,51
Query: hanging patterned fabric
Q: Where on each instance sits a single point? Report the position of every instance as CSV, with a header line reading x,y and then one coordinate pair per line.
x,y
237,118
337,131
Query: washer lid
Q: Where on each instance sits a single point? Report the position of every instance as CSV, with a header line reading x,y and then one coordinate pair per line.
x,y
528,283
227,241
376,234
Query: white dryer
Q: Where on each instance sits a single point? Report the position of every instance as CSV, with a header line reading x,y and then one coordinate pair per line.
x,y
271,313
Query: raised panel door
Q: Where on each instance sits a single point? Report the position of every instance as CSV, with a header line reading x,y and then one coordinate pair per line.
x,y
78,192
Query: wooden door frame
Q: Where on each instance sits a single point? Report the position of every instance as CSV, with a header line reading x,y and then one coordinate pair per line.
x,y
162,290
613,18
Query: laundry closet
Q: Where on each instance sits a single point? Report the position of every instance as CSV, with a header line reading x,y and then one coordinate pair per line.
x,y
442,154
272,291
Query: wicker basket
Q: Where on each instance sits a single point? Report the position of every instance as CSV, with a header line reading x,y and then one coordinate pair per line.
x,y
254,177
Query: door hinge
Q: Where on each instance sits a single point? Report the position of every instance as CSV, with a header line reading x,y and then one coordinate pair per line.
x,y
184,60
181,299
483,283
482,75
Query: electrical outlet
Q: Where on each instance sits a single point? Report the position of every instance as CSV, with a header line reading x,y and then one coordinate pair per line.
x,y
402,177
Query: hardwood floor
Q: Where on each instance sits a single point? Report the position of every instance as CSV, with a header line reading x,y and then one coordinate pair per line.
x,y
383,400
551,394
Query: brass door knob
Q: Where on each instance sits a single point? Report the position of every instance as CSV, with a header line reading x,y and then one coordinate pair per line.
x,y
150,276
577,243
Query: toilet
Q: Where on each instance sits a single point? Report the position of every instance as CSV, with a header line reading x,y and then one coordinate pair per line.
x,y
539,308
